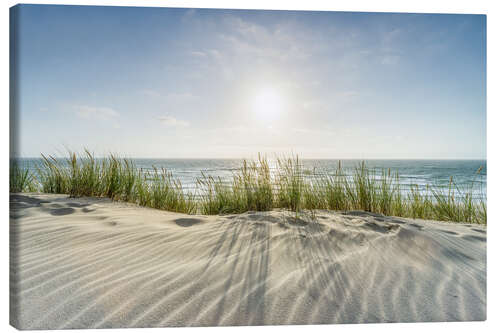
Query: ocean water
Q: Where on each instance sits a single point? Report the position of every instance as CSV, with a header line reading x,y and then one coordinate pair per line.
x,y
411,172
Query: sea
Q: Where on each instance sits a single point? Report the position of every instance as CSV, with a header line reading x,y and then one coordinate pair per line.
x,y
436,173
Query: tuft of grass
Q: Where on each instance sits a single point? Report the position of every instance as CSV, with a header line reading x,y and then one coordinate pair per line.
x,y
20,180
458,204
384,193
217,197
333,190
290,185
397,207
251,190
419,205
364,188
85,175
253,187
165,192
53,176
313,195
140,194
254,179
446,207
114,178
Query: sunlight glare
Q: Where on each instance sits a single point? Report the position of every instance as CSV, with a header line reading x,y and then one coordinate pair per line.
x,y
268,103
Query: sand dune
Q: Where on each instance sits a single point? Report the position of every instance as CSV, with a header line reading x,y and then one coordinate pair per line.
x,y
93,263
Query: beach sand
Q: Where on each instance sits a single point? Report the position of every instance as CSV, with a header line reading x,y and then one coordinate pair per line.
x,y
94,263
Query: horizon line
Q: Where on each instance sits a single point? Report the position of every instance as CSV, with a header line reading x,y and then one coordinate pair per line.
x,y
302,158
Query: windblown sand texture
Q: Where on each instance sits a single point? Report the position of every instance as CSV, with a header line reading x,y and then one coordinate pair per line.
x,y
93,263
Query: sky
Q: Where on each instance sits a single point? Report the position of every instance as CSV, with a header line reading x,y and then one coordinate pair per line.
x,y
202,83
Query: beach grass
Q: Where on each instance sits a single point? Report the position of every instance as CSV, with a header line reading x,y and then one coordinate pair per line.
x,y
20,180
291,188
160,190
112,177
254,187
251,189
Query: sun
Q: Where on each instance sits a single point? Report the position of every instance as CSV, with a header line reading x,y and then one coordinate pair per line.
x,y
268,103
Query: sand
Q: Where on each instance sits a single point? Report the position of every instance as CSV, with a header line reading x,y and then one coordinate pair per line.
x,y
94,263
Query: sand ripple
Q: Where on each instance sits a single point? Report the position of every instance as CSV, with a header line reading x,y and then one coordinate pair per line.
x,y
93,263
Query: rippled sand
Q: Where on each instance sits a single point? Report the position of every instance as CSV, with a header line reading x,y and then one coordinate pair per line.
x,y
93,263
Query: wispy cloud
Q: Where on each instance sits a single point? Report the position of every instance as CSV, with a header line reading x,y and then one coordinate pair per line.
x,y
173,97
198,54
207,53
181,96
93,113
257,41
150,92
171,121
390,59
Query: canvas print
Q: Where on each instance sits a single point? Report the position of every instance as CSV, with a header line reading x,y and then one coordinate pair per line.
x,y
217,167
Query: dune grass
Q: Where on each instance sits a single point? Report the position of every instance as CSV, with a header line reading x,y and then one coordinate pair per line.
x,y
110,177
20,180
160,190
292,188
253,187
251,190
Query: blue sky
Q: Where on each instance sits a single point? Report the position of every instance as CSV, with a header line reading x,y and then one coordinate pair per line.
x,y
163,82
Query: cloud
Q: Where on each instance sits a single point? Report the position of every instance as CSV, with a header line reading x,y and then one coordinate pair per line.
x,y
198,54
178,97
390,59
171,121
150,93
279,42
348,93
392,35
173,97
212,54
93,113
